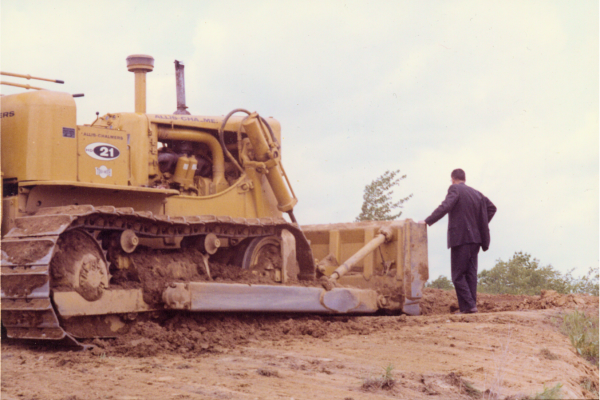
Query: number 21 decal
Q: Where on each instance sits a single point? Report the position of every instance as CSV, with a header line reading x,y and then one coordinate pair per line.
x,y
102,151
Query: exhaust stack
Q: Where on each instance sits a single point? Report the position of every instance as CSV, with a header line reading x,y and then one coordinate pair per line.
x,y
140,64
180,83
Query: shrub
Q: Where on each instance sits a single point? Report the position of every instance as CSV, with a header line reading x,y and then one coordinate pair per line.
x,y
549,393
440,283
587,283
523,275
519,275
385,381
590,386
582,331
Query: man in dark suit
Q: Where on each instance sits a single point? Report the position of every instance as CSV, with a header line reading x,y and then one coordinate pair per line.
x,y
469,213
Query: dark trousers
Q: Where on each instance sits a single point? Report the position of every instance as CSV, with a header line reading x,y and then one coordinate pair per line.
x,y
463,261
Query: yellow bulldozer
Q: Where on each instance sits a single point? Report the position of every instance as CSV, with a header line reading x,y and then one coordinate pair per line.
x,y
141,213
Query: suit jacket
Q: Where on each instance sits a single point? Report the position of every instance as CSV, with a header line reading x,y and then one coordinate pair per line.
x,y
469,213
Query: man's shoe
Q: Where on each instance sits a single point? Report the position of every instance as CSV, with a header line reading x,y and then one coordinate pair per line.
x,y
471,311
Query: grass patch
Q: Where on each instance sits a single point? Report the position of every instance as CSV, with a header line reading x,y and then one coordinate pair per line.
x,y
553,393
590,386
383,382
582,331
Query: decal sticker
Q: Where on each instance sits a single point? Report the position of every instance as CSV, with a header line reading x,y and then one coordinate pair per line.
x,y
102,151
69,132
103,172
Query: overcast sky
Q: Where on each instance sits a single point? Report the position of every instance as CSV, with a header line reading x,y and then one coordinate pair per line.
x,y
506,90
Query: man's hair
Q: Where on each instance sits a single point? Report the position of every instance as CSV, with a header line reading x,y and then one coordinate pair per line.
x,y
459,175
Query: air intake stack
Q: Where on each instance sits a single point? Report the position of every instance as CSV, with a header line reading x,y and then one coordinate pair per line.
x,y
180,83
140,64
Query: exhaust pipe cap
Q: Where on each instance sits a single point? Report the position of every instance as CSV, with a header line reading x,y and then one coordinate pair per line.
x,y
137,62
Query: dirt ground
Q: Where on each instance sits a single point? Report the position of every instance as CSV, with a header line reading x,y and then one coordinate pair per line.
x,y
510,350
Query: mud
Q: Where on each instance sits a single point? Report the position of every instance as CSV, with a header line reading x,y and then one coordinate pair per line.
x,y
47,225
68,210
153,270
26,252
76,256
22,285
193,334
424,271
160,268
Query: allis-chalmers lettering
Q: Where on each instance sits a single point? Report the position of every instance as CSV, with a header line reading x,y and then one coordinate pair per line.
x,y
102,135
7,114
185,118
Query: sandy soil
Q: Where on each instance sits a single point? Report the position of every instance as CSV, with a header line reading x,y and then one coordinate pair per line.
x,y
511,349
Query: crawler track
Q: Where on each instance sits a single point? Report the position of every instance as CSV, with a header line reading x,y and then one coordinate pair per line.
x,y
28,249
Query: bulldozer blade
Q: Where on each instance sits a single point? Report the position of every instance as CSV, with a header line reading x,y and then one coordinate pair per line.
x,y
219,297
396,267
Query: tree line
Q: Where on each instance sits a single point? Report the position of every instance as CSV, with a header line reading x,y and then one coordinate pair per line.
x,y
523,274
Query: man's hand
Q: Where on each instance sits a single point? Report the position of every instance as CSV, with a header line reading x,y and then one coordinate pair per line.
x,y
421,222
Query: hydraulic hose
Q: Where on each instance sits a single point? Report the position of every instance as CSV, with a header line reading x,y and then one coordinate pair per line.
x,y
222,136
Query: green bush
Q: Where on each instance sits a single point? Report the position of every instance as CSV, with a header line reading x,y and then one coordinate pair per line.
x,y
520,275
553,393
523,274
590,386
587,283
440,283
582,331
